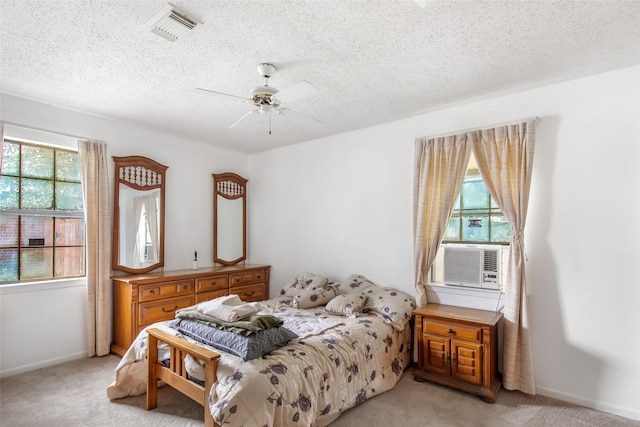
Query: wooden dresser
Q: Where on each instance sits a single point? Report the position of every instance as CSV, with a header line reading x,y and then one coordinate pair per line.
x,y
142,299
458,347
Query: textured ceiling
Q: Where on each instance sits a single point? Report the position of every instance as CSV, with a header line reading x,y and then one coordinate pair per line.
x,y
372,61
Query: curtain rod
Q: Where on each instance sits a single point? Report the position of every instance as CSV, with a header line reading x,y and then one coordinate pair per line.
x,y
68,135
512,122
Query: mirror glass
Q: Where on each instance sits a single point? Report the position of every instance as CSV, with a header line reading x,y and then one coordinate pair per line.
x,y
138,228
229,218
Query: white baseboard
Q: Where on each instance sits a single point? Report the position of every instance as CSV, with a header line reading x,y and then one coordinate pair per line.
x,y
42,364
632,413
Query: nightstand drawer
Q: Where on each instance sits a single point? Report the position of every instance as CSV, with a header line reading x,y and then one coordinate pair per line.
x,y
240,279
214,283
251,292
155,291
452,330
151,312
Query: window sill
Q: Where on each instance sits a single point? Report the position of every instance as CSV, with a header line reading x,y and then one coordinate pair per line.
x,y
47,285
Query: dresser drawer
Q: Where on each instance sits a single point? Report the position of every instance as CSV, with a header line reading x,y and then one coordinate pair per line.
x,y
214,283
206,296
155,291
255,292
453,330
156,311
246,278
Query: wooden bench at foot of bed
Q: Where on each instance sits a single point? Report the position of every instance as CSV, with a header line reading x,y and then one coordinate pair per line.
x,y
175,375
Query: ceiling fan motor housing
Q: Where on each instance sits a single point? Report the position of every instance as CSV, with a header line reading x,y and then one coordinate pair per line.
x,y
262,95
266,70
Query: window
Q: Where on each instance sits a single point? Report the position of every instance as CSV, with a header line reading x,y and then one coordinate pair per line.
x,y
476,217
41,213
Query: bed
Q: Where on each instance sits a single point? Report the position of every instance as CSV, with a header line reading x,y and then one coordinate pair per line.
x,y
351,341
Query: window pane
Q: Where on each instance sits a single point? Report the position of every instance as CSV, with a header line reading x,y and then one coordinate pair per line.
x,y
36,263
69,232
8,230
69,262
500,229
9,193
67,168
37,194
494,205
37,162
8,264
69,196
457,205
11,159
453,229
475,195
36,231
475,228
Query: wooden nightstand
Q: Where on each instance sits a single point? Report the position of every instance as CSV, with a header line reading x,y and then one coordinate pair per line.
x,y
458,347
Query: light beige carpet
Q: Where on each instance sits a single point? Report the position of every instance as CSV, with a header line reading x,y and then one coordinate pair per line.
x,y
74,394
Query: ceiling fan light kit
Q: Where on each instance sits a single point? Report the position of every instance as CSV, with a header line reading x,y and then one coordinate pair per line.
x,y
267,99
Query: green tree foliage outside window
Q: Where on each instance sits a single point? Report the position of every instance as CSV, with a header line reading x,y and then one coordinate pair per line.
x,y
476,218
41,213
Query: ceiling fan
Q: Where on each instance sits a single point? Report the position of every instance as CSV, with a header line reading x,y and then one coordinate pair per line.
x,y
269,100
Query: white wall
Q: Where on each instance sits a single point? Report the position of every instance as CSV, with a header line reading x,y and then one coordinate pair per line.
x,y
343,205
189,227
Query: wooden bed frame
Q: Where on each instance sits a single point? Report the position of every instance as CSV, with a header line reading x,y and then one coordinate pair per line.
x,y
175,375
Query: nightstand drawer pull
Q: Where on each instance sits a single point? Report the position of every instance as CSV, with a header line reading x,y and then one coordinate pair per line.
x,y
450,331
169,311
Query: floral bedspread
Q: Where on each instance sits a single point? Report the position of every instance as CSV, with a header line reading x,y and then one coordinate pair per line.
x,y
308,382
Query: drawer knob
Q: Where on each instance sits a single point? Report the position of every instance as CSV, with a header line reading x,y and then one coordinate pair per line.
x,y
450,331
169,311
185,287
152,292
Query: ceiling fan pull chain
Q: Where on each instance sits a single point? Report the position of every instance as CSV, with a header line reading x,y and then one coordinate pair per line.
x,y
269,123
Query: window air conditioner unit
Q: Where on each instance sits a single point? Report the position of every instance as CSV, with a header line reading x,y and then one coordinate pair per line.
x,y
476,266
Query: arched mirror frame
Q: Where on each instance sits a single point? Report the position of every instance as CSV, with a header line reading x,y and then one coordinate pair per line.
x,y
143,174
229,186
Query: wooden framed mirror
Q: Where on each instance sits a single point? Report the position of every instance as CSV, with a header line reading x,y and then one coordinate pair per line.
x,y
229,218
138,214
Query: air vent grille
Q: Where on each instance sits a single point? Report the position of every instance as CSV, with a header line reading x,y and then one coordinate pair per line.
x,y
490,260
171,23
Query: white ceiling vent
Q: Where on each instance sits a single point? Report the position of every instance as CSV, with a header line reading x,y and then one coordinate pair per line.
x,y
171,23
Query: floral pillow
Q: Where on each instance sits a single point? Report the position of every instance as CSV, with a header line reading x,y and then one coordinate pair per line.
x,y
394,306
303,281
309,298
351,304
355,283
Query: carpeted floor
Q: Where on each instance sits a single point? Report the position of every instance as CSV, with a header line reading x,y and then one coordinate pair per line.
x,y
74,394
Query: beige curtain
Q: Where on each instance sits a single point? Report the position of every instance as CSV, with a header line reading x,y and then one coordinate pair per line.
x,y
95,194
441,164
505,158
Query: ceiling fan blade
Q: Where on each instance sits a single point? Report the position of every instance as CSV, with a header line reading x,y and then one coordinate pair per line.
x,y
295,92
216,93
298,113
242,118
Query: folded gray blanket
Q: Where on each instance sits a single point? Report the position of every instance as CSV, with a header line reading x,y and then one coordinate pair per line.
x,y
244,327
